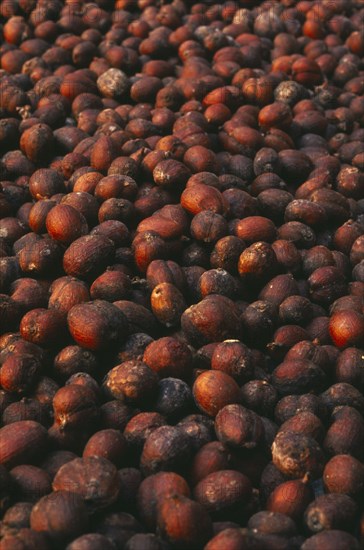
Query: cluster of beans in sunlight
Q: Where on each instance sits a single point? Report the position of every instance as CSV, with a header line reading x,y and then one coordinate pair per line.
x,y
181,275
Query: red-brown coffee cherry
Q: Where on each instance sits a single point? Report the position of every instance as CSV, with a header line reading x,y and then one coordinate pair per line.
x,y
132,380
166,448
86,182
170,172
343,394
108,444
287,255
254,229
114,230
153,490
167,304
25,409
271,477
18,372
272,523
88,256
117,185
97,325
234,358
30,482
241,204
218,281
327,284
344,474
296,455
165,223
297,376
329,511
305,423
213,390
310,351
223,493
200,159
200,197
226,253
103,153
306,71
356,251
346,235
297,310
231,537
61,515
347,328
40,257
291,498
199,429
161,271
75,407
37,143
17,516
169,356
66,292
257,263
38,215
140,427
217,114
148,246
22,442
259,396
350,367
13,229
275,115
120,210
140,320
305,211
14,344
16,30
184,522
211,457
85,203
346,433
279,288
208,227
331,538
238,427
45,183
80,476
65,224
44,327
9,270
221,316
111,286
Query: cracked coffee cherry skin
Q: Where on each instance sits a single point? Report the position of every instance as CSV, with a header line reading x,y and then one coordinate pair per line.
x,y
296,455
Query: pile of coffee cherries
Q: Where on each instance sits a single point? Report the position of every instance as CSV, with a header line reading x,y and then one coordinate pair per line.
x,y
181,275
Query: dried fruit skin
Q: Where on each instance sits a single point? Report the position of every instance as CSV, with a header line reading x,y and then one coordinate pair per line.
x,y
329,511
94,478
296,455
21,442
184,522
181,275
61,515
